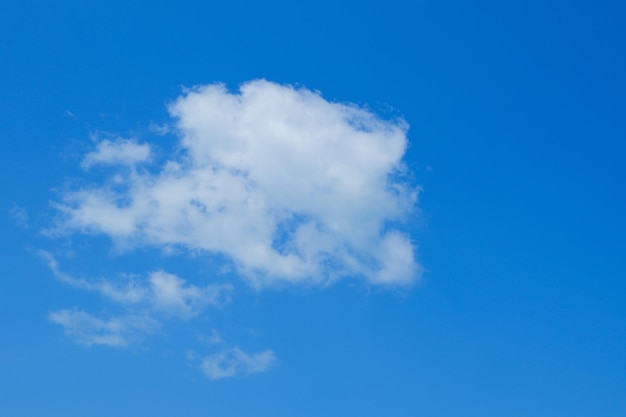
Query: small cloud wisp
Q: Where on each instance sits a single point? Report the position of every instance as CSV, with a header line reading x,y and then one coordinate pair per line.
x,y
232,362
145,304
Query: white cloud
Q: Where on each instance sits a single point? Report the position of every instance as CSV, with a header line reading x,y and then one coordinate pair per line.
x,y
290,187
127,291
118,152
212,339
145,303
162,292
19,216
88,330
170,294
233,362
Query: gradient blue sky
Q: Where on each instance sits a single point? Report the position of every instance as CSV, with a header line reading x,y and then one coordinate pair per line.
x,y
517,138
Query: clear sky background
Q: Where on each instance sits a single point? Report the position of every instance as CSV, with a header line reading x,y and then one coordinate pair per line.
x,y
516,139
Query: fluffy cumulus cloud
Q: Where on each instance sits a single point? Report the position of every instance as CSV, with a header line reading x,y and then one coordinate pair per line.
x,y
290,187
276,181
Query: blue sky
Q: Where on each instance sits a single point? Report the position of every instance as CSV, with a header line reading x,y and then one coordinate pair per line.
x,y
313,208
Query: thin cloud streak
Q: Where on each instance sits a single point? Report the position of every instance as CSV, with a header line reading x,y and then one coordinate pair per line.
x,y
162,292
118,332
145,305
118,152
234,362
